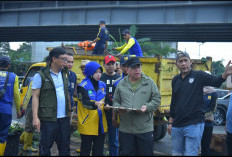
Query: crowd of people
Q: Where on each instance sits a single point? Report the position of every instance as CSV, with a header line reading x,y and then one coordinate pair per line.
x,y
118,103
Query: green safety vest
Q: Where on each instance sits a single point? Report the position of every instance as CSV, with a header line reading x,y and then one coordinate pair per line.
x,y
47,100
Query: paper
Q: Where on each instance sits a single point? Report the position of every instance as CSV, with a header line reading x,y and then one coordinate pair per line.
x,y
129,109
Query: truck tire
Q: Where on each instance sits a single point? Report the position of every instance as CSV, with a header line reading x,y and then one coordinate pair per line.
x,y
164,131
157,132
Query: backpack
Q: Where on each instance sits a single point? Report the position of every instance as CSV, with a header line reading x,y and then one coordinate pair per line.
x,y
3,91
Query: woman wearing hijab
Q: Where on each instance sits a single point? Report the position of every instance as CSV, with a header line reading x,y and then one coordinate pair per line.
x,y
210,100
92,124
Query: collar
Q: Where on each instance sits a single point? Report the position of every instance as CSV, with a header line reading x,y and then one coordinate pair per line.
x,y
190,73
54,72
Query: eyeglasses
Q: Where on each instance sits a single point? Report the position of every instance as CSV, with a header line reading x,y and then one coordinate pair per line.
x,y
64,59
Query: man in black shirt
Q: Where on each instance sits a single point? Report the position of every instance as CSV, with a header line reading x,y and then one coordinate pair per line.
x,y
186,122
108,77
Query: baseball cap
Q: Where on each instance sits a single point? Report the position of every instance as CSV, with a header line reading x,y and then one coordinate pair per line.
x,y
102,21
125,58
4,61
84,62
182,54
109,58
125,31
133,61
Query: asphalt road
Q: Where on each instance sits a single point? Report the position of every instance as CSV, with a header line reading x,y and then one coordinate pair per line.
x,y
162,147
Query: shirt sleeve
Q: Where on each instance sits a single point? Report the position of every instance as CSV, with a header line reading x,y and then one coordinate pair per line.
x,y
84,97
130,43
99,35
16,94
36,81
173,104
27,96
120,48
210,80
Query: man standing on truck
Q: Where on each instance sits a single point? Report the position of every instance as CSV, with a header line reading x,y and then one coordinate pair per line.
x,y
109,77
131,44
136,97
186,122
11,92
101,40
51,104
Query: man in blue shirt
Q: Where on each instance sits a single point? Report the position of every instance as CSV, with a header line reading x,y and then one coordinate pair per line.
x,y
51,104
101,40
229,128
72,78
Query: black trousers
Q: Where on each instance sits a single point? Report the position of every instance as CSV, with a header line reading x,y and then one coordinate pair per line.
x,y
206,140
58,132
229,144
136,144
94,143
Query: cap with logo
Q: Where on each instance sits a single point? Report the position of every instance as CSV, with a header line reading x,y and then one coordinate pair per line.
x,y
125,58
109,58
133,61
182,54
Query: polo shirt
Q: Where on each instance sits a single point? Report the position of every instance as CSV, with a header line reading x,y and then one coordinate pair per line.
x,y
187,97
59,87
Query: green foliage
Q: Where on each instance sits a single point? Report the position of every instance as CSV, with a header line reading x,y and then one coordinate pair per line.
x,y
76,134
22,54
15,129
4,48
217,67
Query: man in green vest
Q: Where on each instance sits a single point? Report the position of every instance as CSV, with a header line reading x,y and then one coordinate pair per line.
x,y
51,104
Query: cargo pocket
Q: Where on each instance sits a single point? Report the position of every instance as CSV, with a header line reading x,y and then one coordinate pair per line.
x,y
46,111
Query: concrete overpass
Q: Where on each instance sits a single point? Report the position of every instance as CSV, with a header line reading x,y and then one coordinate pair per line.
x,y
198,21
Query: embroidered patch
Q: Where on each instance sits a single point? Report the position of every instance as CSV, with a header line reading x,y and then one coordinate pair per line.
x,y
191,80
90,92
209,97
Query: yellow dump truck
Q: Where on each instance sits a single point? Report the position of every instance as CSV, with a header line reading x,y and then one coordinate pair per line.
x,y
161,70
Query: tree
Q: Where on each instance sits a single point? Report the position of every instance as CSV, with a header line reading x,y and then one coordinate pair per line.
x,y
4,48
22,54
217,67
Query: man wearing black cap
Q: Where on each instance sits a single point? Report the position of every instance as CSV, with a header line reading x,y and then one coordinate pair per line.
x,y
131,44
9,83
136,97
101,40
186,122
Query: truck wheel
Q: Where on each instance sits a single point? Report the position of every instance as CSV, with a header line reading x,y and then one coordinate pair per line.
x,y
164,131
157,132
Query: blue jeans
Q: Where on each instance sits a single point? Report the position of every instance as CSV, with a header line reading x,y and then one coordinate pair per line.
x,y
186,140
113,137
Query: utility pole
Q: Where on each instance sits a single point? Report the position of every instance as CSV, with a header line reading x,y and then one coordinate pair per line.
x,y
199,50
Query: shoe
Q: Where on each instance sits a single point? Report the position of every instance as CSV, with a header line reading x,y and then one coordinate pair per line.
x,y
28,142
2,148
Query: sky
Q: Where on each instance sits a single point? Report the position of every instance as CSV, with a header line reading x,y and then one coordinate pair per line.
x,y
217,50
